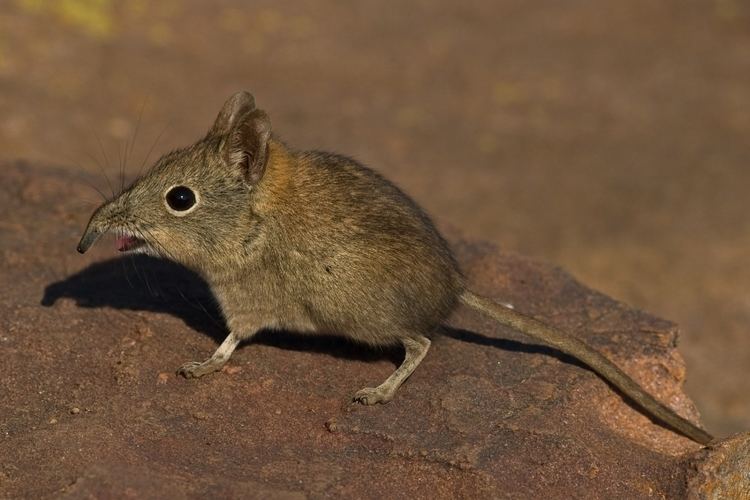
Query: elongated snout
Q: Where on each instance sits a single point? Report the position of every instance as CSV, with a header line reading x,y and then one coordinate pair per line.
x,y
98,225
89,237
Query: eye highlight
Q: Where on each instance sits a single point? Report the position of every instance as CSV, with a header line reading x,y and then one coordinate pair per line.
x,y
180,199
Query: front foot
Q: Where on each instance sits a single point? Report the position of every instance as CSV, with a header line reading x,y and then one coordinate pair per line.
x,y
373,395
195,369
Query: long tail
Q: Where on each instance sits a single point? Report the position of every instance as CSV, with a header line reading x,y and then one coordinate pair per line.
x,y
601,365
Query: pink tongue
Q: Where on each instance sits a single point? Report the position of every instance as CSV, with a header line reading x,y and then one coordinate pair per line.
x,y
124,242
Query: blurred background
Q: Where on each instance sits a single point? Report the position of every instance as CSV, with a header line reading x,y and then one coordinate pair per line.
x,y
610,138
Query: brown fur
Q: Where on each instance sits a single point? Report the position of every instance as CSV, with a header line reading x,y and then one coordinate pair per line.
x,y
311,242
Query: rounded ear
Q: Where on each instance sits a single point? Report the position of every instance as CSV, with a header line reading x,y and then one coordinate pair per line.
x,y
240,103
246,147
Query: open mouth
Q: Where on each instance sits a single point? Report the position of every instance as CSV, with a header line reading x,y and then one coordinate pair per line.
x,y
127,242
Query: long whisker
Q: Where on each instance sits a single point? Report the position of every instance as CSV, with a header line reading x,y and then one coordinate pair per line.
x,y
126,273
91,184
84,203
120,152
102,170
168,253
73,161
151,149
144,233
201,306
129,144
152,238
106,162
129,153
143,277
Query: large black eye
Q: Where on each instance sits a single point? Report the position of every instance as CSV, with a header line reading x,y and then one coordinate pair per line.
x,y
180,198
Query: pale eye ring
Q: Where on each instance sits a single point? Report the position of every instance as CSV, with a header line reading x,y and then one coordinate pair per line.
x,y
181,200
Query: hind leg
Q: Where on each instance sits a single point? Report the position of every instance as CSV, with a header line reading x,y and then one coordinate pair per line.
x,y
416,348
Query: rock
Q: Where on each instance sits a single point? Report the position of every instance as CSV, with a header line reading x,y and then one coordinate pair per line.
x,y
488,414
721,470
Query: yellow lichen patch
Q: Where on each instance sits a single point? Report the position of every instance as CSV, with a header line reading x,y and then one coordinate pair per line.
x,y
94,17
32,5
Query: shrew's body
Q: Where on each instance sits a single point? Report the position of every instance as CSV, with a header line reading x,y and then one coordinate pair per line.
x,y
315,243
332,233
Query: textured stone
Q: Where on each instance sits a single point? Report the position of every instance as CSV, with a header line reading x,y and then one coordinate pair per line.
x,y
721,470
487,414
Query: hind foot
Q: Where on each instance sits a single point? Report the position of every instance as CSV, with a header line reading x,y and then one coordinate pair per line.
x,y
373,395
416,347
195,369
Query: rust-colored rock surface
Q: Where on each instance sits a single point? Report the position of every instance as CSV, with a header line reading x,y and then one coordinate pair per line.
x,y
91,407
721,470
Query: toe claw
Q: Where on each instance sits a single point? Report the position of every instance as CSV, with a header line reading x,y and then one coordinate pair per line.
x,y
190,369
371,395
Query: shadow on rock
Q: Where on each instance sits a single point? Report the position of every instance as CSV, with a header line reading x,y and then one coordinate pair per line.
x,y
142,283
510,345
513,345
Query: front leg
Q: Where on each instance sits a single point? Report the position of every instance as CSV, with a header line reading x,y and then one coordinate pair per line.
x,y
195,369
